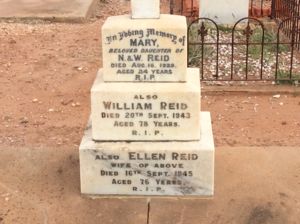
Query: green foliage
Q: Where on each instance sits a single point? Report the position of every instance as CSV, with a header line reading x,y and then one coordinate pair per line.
x,y
270,43
193,33
195,51
270,48
195,54
225,29
283,77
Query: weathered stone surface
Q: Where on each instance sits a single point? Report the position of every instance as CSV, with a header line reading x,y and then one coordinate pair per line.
x,y
54,10
145,9
147,50
224,11
149,168
146,111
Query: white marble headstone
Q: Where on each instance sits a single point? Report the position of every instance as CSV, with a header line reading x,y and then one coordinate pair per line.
x,y
224,11
146,111
180,168
147,135
145,50
145,9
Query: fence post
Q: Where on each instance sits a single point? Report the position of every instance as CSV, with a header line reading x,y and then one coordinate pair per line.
x,y
171,7
273,9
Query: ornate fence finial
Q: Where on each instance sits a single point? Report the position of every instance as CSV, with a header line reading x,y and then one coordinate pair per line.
x,y
202,31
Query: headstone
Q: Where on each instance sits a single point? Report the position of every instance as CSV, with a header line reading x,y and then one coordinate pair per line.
x,y
225,12
145,9
147,135
144,50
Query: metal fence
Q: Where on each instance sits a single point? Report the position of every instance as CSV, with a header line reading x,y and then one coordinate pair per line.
x,y
260,8
188,8
282,10
248,51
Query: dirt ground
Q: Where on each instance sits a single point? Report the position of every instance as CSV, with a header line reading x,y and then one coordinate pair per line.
x,y
46,71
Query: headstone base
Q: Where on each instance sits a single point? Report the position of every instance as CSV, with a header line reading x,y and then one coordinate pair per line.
x,y
175,168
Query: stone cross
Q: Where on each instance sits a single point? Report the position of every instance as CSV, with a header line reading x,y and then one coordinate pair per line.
x,y
145,9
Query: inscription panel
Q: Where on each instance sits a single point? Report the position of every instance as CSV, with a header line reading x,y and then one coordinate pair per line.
x,y
181,168
153,111
145,50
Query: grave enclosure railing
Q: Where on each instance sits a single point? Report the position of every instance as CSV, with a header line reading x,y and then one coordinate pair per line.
x,y
247,51
280,9
190,8
260,8
284,9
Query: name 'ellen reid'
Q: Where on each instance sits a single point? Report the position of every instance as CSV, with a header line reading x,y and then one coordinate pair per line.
x,y
161,156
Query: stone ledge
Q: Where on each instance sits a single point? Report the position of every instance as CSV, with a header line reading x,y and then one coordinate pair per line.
x,y
57,11
196,157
